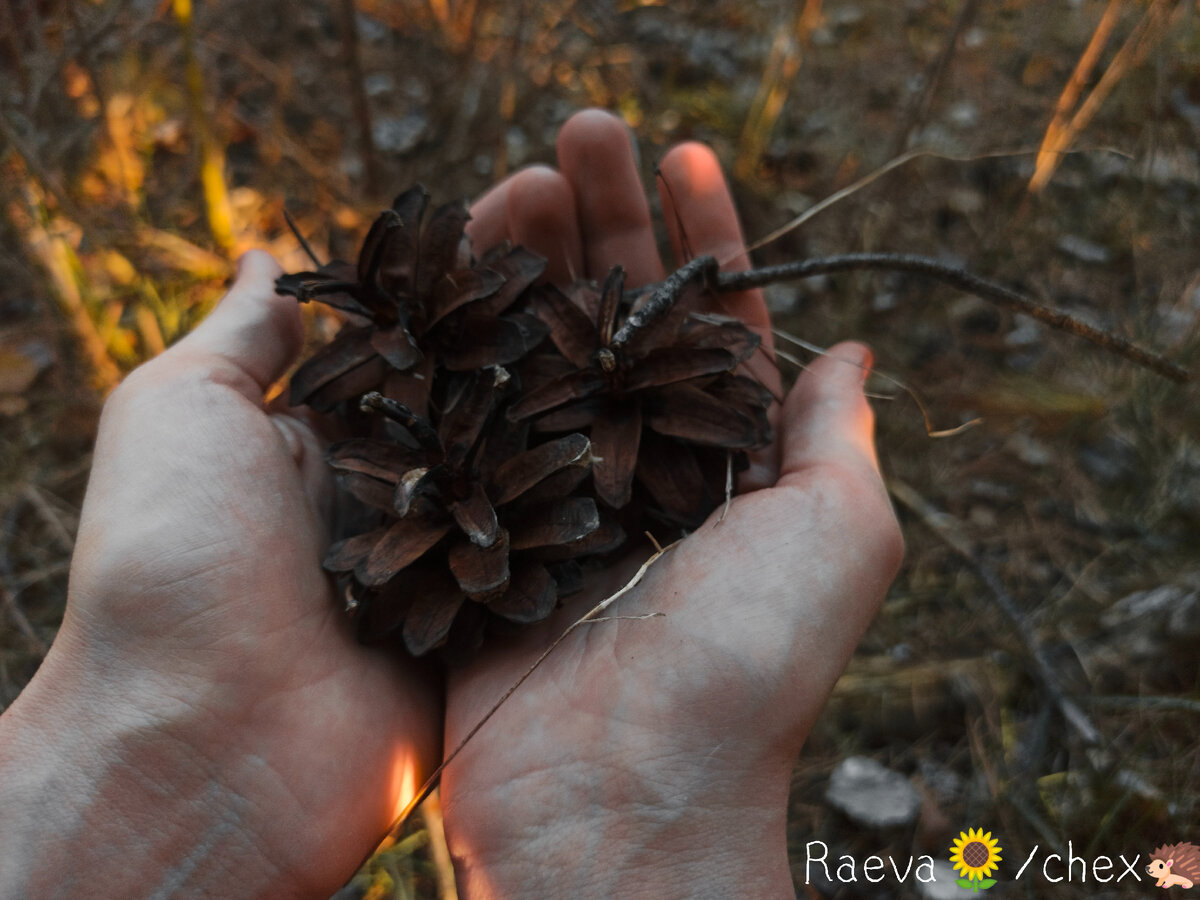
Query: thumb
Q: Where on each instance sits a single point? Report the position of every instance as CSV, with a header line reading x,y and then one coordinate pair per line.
x,y
252,327
827,420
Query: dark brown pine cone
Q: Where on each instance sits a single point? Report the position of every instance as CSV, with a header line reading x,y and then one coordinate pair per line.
x,y
414,295
670,376
478,520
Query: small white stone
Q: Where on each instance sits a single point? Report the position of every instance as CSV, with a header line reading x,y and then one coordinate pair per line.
x,y
872,795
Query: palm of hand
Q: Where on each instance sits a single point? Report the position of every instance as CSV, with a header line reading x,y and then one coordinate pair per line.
x,y
197,581
759,613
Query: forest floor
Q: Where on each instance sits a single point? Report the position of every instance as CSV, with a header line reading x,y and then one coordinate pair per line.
x,y
1035,670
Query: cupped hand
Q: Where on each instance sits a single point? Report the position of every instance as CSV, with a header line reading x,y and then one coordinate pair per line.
x,y
653,755
205,705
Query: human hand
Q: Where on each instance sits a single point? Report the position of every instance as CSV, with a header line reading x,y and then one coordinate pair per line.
x,y
654,756
205,723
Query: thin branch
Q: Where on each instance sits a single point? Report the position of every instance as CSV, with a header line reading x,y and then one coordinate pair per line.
x,y
919,110
964,280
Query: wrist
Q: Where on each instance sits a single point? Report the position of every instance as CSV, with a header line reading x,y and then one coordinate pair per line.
x,y
678,827
114,793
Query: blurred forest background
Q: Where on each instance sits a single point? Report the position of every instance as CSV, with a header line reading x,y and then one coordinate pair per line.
x,y
1035,670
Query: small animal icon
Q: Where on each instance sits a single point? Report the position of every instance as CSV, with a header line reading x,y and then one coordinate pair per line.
x,y
1174,865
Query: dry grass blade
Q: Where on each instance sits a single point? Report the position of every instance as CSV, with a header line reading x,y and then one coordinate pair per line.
x,y
592,615
838,196
930,431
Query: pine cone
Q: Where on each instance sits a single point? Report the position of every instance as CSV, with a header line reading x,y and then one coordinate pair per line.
x,y
456,499
414,295
670,374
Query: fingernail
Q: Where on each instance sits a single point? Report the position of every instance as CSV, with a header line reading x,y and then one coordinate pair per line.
x,y
868,362
866,359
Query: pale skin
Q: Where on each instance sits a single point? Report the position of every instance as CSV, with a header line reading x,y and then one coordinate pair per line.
x,y
205,724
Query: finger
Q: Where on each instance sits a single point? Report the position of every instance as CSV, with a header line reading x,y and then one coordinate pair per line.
x,y
543,218
827,420
488,226
536,209
595,154
696,199
252,327
701,217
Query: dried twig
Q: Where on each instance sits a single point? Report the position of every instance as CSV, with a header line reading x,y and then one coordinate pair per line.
x,y
968,281
943,525
299,235
782,66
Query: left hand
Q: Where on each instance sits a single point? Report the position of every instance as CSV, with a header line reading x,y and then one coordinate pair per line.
x,y
205,722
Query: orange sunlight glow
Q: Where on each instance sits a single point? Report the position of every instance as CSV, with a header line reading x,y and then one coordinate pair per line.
x,y
403,783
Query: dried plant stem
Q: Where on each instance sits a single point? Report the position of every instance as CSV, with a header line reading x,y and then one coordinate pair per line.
x,y
591,616
212,156
964,280
919,110
948,530
874,175
783,64
358,92
46,241
439,850
1060,134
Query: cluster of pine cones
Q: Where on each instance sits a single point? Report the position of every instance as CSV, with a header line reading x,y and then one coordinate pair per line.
x,y
507,432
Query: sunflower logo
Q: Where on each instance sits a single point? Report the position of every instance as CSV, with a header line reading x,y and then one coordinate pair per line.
x,y
975,856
